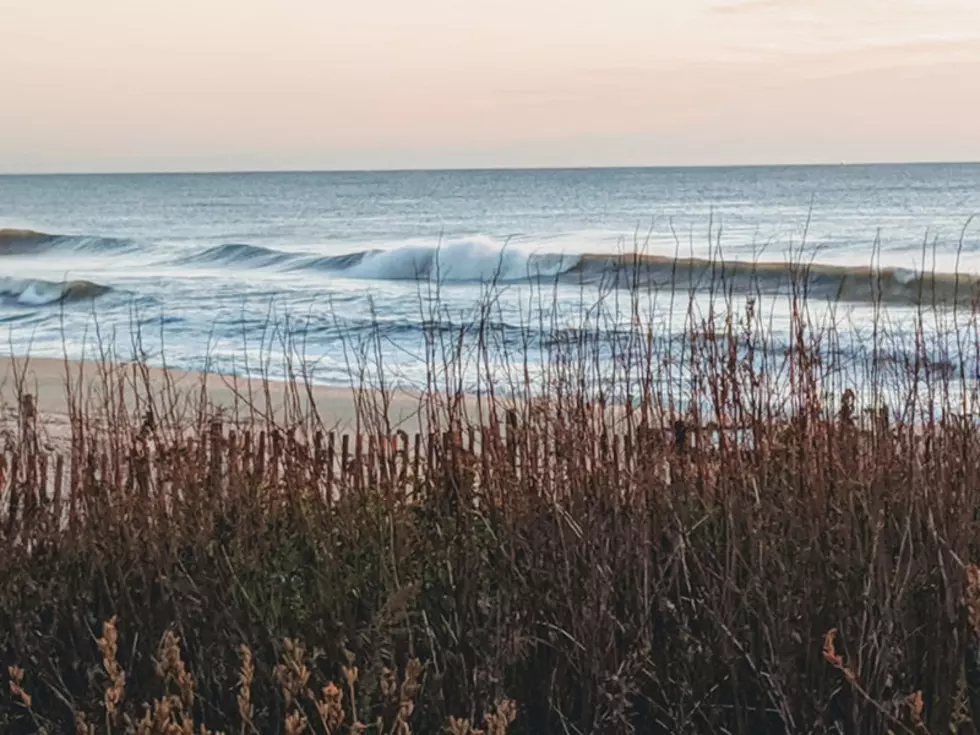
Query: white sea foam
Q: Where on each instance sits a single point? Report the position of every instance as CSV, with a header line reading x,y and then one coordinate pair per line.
x,y
477,259
38,292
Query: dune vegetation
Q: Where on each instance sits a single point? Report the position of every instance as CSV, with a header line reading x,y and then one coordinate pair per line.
x,y
762,542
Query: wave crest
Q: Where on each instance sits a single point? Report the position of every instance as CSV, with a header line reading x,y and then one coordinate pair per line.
x,y
861,284
481,259
482,262
38,292
22,242
238,254
15,241
476,260
473,260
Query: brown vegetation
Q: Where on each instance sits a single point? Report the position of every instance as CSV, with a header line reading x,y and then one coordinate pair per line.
x,y
538,568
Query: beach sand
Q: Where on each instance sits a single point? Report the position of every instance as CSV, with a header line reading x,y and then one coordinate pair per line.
x,y
47,379
239,401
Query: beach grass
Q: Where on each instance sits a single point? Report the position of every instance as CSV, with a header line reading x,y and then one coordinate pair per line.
x,y
761,545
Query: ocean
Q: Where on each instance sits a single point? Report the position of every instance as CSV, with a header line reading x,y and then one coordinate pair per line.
x,y
346,271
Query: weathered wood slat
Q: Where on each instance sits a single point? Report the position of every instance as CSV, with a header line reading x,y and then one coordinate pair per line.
x,y
541,459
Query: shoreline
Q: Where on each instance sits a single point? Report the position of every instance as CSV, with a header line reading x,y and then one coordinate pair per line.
x,y
47,380
240,401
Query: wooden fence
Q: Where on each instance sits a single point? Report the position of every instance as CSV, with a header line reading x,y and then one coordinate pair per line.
x,y
333,463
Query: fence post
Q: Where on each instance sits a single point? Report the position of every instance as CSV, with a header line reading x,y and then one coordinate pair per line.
x,y
14,502
511,438
59,474
372,458
680,437
214,479
260,456
331,448
345,469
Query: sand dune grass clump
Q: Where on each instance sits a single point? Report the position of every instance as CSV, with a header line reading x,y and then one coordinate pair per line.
x,y
761,546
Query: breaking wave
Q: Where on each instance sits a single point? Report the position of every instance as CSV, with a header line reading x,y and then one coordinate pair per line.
x,y
479,262
38,292
30,242
483,259
14,241
239,254
470,261
860,284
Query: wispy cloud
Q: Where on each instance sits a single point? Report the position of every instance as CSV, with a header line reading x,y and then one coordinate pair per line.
x,y
734,7
793,27
711,75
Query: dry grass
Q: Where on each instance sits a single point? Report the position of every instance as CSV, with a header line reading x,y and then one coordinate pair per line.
x,y
808,572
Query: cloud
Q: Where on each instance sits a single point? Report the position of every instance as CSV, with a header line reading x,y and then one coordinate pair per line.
x,y
732,7
801,27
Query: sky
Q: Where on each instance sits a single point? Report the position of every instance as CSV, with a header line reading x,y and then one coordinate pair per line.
x,y
163,85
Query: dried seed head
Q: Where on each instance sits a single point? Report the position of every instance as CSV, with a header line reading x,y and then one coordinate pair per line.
x,y
829,650
410,686
330,706
172,670
247,674
973,596
292,674
159,718
16,686
916,707
108,646
81,725
835,659
498,721
389,684
296,724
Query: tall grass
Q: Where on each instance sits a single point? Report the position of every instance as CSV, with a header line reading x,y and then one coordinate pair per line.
x,y
729,532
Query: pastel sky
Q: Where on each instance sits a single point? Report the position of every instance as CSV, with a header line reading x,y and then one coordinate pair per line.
x,y
135,85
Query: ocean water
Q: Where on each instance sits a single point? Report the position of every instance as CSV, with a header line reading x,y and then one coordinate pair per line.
x,y
343,270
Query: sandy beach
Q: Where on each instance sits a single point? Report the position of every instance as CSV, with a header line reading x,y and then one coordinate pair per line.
x,y
48,379
238,400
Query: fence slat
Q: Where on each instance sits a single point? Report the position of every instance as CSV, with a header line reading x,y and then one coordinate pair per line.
x,y
358,462
260,458
59,474
538,457
372,458
417,461
331,439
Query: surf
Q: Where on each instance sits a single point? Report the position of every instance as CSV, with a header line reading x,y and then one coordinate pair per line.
x,y
481,259
847,283
14,241
39,292
237,254
469,261
472,260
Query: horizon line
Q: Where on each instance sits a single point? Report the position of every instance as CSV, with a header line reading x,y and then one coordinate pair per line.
x,y
487,169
